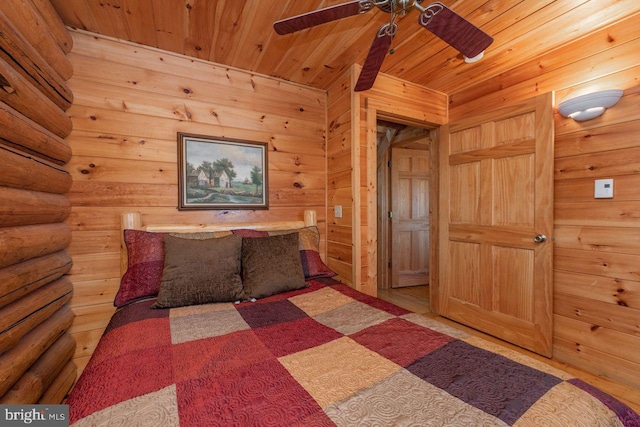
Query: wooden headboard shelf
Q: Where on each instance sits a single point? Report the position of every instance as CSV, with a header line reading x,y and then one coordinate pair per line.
x,y
133,220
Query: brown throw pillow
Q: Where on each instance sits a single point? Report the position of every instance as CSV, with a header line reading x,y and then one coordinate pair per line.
x,y
271,265
200,271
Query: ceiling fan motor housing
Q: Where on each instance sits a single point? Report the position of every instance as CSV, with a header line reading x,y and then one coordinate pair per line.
x,y
399,7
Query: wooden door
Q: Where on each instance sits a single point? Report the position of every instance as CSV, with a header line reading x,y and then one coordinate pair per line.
x,y
410,217
496,196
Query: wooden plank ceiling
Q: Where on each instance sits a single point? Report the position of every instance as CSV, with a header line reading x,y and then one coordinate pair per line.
x,y
239,33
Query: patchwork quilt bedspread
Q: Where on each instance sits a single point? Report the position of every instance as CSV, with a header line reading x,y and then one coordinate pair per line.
x,y
320,356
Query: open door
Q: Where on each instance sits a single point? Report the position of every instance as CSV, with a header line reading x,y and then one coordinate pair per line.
x,y
496,217
409,217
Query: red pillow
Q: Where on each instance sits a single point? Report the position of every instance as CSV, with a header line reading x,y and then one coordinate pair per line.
x,y
144,271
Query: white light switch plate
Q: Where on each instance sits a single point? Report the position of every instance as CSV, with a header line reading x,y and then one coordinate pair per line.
x,y
603,189
337,211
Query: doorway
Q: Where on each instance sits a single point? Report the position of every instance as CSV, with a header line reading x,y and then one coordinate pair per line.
x,y
403,168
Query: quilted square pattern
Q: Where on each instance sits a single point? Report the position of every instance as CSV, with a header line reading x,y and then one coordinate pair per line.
x,y
402,399
320,356
206,324
217,356
432,324
490,382
371,301
160,406
400,340
333,371
144,334
132,374
562,398
324,299
353,317
258,394
133,313
271,313
283,339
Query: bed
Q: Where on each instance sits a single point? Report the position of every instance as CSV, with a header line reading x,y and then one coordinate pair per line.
x,y
317,354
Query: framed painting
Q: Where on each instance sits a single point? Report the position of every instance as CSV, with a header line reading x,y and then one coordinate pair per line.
x,y
221,173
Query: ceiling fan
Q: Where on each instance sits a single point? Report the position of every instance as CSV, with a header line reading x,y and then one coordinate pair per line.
x,y
436,17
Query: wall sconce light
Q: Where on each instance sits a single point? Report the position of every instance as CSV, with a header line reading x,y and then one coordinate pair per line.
x,y
589,106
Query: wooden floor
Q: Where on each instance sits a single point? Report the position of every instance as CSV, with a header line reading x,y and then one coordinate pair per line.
x,y
416,299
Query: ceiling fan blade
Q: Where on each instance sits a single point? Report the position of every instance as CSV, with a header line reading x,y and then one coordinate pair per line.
x,y
375,57
455,30
321,16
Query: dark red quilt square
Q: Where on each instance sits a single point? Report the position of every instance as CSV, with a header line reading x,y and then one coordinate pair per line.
x,y
287,338
271,313
217,355
133,374
261,394
134,312
143,334
400,340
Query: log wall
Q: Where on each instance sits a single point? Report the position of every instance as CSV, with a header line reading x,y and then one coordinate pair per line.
x,y
351,150
130,102
597,243
35,317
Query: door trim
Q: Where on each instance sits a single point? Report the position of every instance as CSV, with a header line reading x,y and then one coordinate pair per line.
x,y
373,113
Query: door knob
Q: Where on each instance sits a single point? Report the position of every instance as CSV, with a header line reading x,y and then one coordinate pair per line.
x,y
540,238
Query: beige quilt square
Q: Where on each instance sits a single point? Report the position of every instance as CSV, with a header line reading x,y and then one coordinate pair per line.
x,y
402,399
353,317
319,301
433,324
206,324
338,369
564,405
199,309
159,408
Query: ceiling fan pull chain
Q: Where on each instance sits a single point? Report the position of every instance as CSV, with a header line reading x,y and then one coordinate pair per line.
x,y
430,12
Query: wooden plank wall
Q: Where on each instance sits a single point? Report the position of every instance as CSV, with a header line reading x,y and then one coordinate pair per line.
x,y
396,100
352,116
130,102
597,248
340,177
35,317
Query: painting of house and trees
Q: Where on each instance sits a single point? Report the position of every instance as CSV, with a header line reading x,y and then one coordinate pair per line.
x,y
221,173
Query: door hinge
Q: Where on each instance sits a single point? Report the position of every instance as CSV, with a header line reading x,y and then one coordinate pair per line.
x,y
389,164
390,214
389,264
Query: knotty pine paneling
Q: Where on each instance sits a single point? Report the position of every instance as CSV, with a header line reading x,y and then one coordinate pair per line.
x,y
130,102
596,255
340,256
352,154
394,100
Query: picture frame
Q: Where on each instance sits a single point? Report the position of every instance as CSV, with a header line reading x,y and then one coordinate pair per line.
x,y
221,173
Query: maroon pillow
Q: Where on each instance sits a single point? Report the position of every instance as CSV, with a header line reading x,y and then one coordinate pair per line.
x,y
144,271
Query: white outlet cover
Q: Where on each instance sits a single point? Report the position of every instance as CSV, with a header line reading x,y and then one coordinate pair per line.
x,y
337,211
603,189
